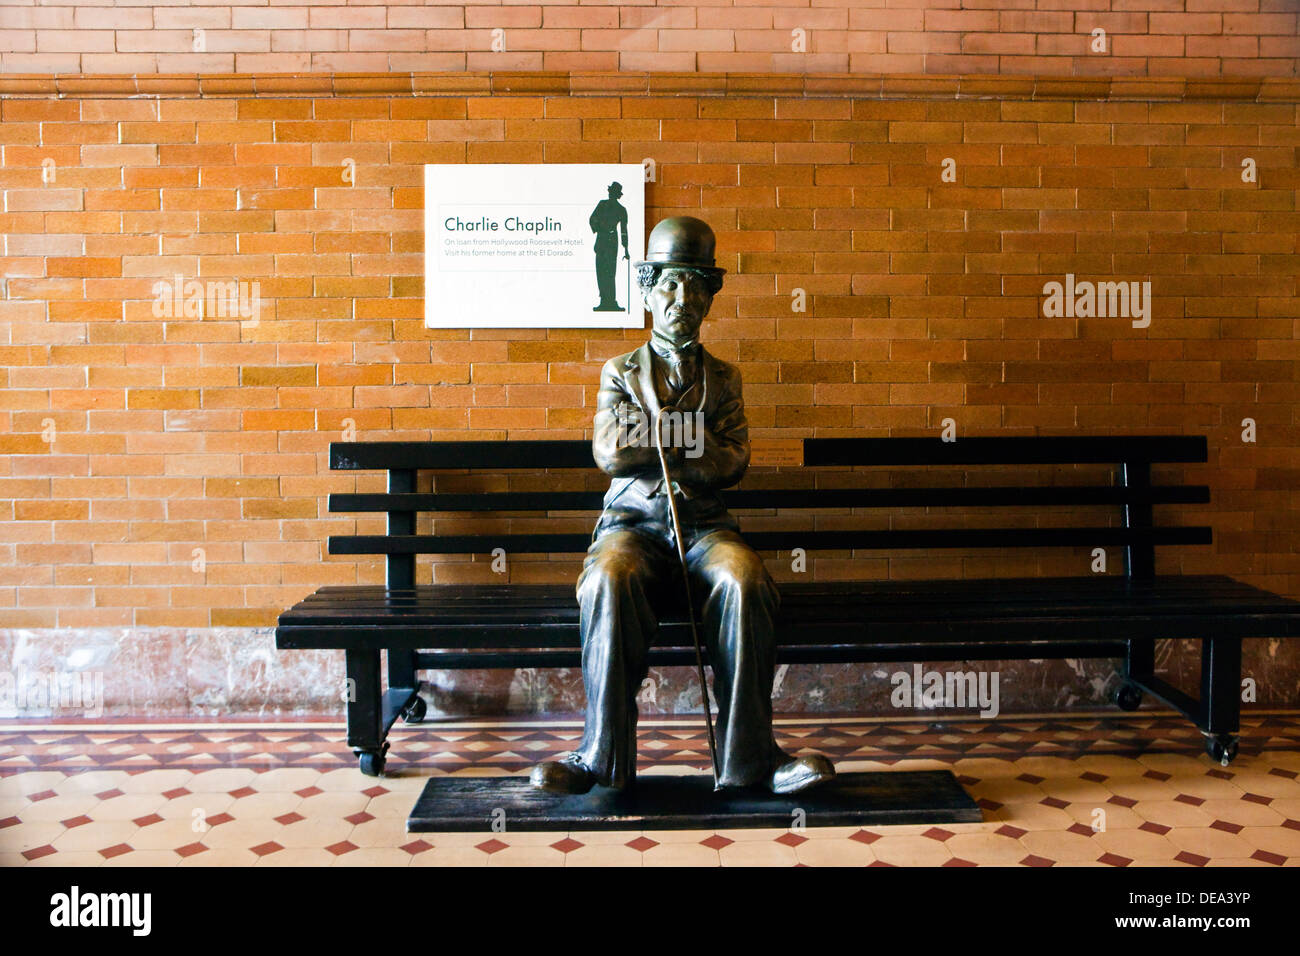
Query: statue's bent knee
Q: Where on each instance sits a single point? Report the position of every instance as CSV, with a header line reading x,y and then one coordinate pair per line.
x,y
612,570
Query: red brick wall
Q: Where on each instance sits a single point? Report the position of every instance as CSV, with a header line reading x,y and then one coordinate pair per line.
x,y
924,302
1046,37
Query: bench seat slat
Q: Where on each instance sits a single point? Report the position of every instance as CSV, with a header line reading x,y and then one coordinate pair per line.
x,y
788,654
1195,583
505,601
522,599
873,604
950,617
1044,630
810,605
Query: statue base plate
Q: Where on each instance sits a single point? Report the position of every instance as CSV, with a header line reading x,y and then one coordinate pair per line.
x,y
688,802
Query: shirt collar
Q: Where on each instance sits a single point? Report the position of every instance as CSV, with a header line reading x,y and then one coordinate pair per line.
x,y
671,351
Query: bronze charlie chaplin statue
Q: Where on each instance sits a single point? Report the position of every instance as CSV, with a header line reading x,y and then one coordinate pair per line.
x,y
632,564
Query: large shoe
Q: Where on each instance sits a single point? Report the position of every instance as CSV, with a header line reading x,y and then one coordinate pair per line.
x,y
568,774
800,773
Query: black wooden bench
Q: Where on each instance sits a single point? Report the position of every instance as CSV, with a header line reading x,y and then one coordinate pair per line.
x,y
1085,615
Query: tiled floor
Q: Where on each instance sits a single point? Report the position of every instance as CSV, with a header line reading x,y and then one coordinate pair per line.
x,y
1097,791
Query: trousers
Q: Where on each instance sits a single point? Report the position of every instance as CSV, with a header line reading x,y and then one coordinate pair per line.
x,y
607,267
626,577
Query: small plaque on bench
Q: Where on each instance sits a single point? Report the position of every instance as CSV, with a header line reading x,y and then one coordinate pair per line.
x,y
776,452
688,802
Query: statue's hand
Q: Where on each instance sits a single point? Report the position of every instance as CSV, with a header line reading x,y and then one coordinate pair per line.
x,y
627,412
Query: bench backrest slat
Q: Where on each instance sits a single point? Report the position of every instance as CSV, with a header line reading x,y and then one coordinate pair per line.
x,y
1043,450
788,540
472,455
1010,496
1039,450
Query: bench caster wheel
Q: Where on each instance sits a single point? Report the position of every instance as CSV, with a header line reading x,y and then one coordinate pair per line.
x,y
372,762
415,711
1222,748
1128,697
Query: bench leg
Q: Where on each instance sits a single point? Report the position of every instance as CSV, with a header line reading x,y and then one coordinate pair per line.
x,y
401,676
1221,696
1217,713
1139,668
365,711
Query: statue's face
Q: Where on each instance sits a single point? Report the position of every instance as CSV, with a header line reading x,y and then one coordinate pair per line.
x,y
679,302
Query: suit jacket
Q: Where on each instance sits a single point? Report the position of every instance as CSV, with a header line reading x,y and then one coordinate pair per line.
x,y
635,495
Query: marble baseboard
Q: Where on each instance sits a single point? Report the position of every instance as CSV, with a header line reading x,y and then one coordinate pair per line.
x,y
232,671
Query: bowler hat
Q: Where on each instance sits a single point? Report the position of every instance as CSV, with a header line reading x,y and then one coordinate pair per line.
x,y
616,188
681,241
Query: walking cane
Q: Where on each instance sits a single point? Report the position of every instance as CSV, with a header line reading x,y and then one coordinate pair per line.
x,y
686,584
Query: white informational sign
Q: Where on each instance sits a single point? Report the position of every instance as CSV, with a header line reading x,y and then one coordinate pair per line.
x,y
533,246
